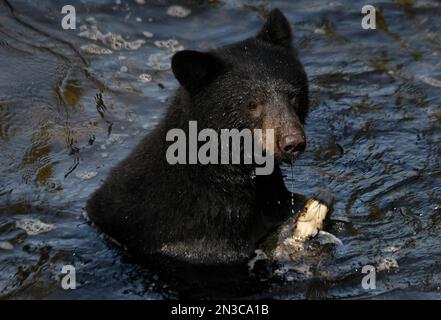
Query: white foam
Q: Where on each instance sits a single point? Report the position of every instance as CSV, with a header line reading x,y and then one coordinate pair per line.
x,y
95,49
86,175
147,34
145,77
431,81
178,11
34,226
5,245
161,60
387,263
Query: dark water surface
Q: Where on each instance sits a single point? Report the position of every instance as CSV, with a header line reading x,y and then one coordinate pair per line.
x,y
67,116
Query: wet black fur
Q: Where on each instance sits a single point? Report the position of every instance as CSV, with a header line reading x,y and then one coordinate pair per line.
x,y
205,214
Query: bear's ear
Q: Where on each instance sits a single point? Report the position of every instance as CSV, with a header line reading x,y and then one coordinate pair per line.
x,y
193,69
276,29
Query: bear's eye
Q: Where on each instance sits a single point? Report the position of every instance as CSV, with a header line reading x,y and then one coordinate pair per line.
x,y
293,100
252,106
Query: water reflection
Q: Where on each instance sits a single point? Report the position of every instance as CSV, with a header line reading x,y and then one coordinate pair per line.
x,y
68,114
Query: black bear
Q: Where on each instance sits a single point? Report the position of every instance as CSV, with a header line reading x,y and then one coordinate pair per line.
x,y
211,214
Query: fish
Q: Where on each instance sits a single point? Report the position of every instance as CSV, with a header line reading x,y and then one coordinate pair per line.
x,y
311,219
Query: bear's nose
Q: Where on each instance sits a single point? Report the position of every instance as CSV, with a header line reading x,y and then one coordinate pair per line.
x,y
292,145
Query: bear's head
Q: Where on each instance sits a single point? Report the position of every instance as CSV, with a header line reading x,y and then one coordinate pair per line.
x,y
258,83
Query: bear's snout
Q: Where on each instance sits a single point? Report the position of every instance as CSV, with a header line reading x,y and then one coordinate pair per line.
x,y
292,144
290,138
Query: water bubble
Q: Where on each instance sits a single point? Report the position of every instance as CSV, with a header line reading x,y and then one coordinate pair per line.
x,y
117,42
178,11
93,34
116,138
91,20
114,41
145,77
320,31
85,215
430,81
167,44
34,226
5,245
86,175
159,61
130,117
260,255
95,49
387,263
324,237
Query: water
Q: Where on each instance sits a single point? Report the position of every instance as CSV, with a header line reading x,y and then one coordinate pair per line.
x,y
67,116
